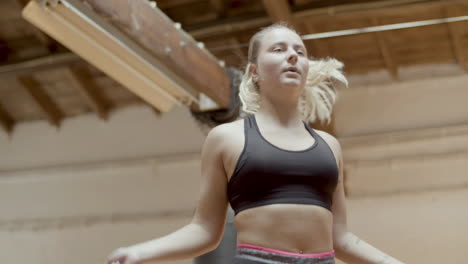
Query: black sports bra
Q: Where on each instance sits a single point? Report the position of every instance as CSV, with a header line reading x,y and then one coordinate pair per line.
x,y
266,174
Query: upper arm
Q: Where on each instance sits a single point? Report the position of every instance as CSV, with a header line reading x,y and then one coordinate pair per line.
x,y
212,202
339,201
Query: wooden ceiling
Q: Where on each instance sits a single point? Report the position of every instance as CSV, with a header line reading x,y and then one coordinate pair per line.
x,y
42,80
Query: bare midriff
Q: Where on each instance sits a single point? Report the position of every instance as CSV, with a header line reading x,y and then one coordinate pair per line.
x,y
295,228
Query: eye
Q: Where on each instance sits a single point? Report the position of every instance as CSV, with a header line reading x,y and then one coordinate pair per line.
x,y
277,49
300,52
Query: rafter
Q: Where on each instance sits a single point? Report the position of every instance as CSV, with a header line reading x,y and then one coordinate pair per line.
x,y
278,10
88,90
47,41
173,51
238,51
454,31
385,51
89,35
219,6
229,27
38,64
167,4
373,8
316,47
42,99
6,120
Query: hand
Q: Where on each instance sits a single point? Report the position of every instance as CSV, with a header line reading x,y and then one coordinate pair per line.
x,y
123,255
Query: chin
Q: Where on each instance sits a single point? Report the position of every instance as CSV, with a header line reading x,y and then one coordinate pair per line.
x,y
291,81
292,84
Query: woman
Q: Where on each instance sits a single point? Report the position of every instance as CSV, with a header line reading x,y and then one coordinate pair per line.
x,y
283,179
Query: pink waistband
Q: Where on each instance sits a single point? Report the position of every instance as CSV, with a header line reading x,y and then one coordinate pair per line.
x,y
311,255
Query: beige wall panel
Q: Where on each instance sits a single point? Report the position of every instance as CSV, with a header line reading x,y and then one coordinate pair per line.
x,y
81,244
424,228
412,142
399,106
407,174
427,228
132,132
95,190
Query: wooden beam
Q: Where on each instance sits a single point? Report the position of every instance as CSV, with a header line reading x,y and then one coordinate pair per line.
x,y
167,4
317,47
385,51
372,8
6,120
218,28
220,7
90,36
454,31
22,3
47,41
151,28
376,8
278,10
81,79
38,64
238,51
42,99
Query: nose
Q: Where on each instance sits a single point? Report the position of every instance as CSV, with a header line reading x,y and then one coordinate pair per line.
x,y
292,57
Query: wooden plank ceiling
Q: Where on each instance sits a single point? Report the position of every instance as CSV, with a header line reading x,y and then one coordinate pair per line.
x,y
42,80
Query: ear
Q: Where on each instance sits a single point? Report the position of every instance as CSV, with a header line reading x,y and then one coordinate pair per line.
x,y
253,72
253,69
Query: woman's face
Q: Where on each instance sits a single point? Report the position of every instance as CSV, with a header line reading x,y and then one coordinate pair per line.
x,y
282,63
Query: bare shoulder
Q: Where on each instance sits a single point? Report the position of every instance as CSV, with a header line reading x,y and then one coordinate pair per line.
x,y
225,143
222,135
226,130
331,141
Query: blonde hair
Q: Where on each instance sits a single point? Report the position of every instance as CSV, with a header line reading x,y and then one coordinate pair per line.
x,y
319,94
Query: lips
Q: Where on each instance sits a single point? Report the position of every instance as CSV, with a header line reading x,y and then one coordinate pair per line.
x,y
292,70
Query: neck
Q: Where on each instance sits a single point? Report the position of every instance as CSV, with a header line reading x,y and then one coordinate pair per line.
x,y
282,113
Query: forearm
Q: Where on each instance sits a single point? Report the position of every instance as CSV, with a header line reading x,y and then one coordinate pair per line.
x,y
189,241
351,249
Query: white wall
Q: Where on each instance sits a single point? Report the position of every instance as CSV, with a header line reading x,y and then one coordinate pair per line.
x,y
132,132
396,106
426,227
405,146
79,213
76,193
